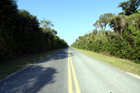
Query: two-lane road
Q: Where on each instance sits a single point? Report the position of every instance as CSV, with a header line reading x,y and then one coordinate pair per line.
x,y
70,71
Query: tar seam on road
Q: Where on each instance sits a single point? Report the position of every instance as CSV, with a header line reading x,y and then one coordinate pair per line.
x,y
74,75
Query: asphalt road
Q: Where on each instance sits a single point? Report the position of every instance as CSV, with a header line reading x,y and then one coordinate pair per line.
x,y
70,71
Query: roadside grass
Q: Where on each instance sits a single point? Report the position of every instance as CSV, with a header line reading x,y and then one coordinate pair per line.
x,y
8,68
122,64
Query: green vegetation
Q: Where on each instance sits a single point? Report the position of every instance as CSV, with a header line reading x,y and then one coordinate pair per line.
x,y
129,7
22,35
122,42
8,68
119,63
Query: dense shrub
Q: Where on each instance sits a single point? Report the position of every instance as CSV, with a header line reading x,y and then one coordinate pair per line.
x,y
124,42
21,34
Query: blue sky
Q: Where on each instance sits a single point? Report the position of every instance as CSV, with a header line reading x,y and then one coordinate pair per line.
x,y
71,18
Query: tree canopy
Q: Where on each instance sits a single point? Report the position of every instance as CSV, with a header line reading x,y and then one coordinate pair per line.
x,y
21,33
129,7
123,41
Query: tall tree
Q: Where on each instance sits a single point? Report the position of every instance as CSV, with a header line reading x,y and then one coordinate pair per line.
x,y
8,10
46,24
98,24
129,7
104,19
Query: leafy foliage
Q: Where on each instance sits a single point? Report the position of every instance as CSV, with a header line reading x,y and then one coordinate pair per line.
x,y
104,19
21,34
129,7
123,42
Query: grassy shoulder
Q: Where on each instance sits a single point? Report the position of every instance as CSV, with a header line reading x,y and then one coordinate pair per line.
x,y
122,64
13,66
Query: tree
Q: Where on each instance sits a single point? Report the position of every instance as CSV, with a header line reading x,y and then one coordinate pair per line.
x,y
104,19
20,33
118,23
8,11
46,24
54,31
94,32
129,7
98,24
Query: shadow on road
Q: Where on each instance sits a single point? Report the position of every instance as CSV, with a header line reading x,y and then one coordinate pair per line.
x,y
29,80
33,78
57,56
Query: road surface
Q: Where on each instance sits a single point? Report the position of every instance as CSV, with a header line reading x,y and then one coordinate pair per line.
x,y
70,71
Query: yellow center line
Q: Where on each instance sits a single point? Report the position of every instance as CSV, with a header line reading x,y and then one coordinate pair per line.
x,y
75,79
69,77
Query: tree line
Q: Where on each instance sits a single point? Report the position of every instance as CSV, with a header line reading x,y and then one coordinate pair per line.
x,y
21,33
123,41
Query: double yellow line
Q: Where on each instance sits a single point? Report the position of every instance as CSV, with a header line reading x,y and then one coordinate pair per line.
x,y
70,90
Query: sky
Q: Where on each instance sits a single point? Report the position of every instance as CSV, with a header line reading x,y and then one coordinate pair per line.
x,y
71,18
